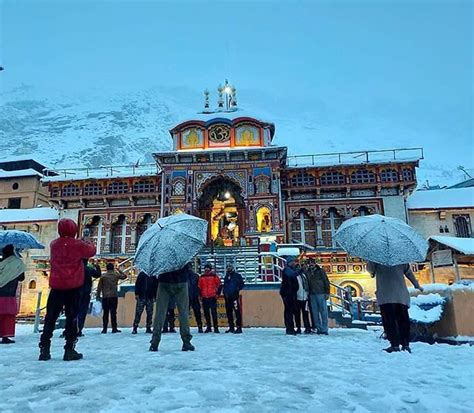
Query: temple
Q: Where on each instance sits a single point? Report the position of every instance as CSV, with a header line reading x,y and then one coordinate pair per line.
x,y
225,168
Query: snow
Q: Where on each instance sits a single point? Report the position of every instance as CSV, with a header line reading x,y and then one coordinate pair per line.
x,y
262,370
119,171
463,245
19,173
425,316
28,215
424,299
442,198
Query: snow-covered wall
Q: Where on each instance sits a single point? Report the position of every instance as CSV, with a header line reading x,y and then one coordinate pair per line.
x,y
394,206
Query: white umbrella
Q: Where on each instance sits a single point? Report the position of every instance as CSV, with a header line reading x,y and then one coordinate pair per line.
x,y
384,240
170,243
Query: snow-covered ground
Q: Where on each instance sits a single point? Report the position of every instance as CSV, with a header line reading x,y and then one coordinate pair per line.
x,y
261,370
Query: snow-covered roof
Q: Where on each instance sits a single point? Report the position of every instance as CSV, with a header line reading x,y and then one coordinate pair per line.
x,y
123,171
463,245
230,115
19,173
442,199
28,215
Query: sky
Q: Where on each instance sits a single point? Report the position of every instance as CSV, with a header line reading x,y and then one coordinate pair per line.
x,y
408,62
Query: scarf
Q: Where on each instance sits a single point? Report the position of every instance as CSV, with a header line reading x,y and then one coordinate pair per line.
x,y
10,268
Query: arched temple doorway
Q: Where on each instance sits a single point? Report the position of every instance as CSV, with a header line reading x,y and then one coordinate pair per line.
x,y
222,205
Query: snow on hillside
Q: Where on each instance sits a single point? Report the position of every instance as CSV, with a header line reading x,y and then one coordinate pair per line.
x,y
102,128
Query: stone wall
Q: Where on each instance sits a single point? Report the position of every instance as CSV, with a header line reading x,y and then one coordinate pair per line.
x,y
428,223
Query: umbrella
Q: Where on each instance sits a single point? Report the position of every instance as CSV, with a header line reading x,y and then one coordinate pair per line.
x,y
170,243
383,240
19,239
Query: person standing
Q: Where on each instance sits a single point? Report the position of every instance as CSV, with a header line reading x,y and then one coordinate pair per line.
x,y
393,299
172,285
12,271
194,303
302,304
209,287
319,289
233,284
90,272
66,280
288,293
145,294
107,290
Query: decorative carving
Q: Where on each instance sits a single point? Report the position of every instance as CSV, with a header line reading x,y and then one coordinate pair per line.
x,y
219,133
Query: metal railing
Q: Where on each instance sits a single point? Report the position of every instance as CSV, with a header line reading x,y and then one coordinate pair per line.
x,y
356,157
254,267
338,300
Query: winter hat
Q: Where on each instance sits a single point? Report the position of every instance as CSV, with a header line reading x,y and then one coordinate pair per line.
x,y
290,259
208,266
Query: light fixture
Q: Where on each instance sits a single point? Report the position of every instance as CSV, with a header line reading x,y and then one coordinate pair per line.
x,y
227,195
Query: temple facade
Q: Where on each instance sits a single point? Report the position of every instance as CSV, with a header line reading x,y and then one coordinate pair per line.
x,y
225,168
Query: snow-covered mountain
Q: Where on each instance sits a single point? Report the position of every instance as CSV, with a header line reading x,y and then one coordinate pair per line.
x,y
99,128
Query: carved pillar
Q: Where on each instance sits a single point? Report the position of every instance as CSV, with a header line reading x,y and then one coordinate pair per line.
x,y
108,237
133,237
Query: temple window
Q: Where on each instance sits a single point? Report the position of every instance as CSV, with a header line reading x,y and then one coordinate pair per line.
x,y
178,187
302,178
362,211
462,225
332,178
264,219
32,285
407,174
144,186
362,176
143,225
262,185
71,190
95,230
389,175
116,188
118,235
55,192
92,189
330,223
304,228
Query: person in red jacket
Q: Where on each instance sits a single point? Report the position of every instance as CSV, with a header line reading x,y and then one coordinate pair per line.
x,y
65,280
209,288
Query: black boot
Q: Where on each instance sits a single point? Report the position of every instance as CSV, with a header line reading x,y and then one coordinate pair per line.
x,y
70,354
104,331
153,346
216,330
188,347
406,348
200,329
208,330
149,330
6,340
239,330
44,352
116,330
392,349
134,331
230,330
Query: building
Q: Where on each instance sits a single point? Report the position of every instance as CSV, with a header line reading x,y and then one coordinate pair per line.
x,y
20,184
225,169
442,212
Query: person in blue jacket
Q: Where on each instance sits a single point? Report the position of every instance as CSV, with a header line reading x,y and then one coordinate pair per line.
x,y
233,284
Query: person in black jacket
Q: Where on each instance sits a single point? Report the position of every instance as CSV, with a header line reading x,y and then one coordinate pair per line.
x,y
194,303
288,292
145,294
90,271
233,284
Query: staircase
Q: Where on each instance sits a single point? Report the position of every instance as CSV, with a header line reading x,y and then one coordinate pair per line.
x,y
340,309
253,266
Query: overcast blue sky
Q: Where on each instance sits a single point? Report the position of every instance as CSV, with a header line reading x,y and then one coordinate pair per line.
x,y
410,61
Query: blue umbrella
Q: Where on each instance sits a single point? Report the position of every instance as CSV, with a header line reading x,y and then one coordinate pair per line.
x,y
19,239
384,240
